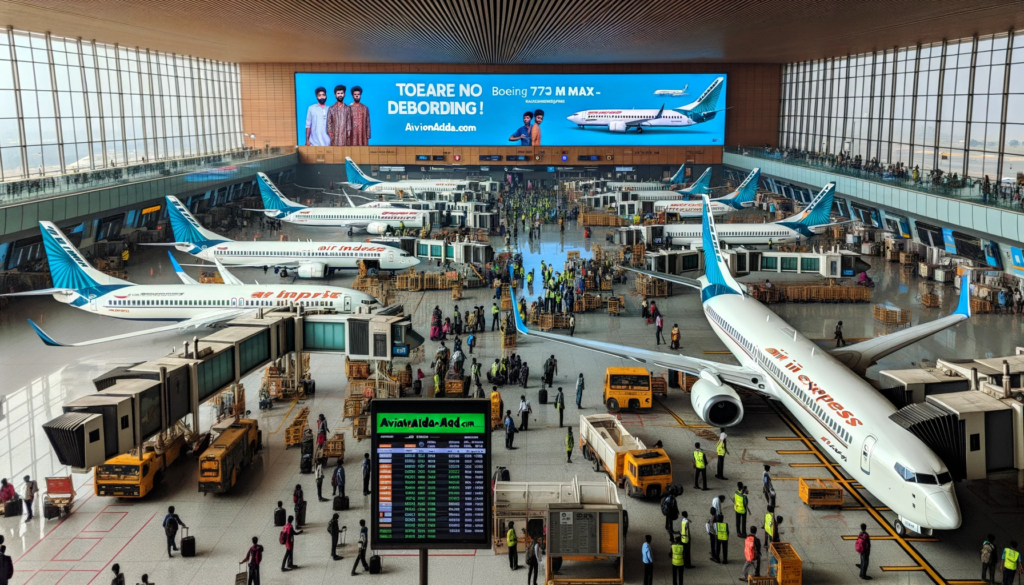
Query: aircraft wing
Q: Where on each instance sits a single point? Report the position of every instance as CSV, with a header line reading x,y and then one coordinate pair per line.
x,y
683,280
860,356
288,265
41,292
181,273
208,318
640,121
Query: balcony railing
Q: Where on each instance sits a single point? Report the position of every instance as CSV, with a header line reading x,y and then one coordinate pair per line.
x,y
1000,195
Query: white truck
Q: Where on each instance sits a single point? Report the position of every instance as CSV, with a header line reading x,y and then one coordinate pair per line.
x,y
643,472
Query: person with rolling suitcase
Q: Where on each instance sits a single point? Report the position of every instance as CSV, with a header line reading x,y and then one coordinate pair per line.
x,y
31,489
364,536
299,501
335,532
171,523
188,544
280,514
253,558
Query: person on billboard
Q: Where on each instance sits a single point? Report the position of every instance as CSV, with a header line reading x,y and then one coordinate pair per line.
x,y
339,119
360,129
538,117
316,121
523,134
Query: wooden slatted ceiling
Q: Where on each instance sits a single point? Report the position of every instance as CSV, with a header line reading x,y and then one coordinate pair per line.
x,y
514,31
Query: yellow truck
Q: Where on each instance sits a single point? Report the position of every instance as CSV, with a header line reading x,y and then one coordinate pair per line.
x,y
131,476
645,473
631,388
233,450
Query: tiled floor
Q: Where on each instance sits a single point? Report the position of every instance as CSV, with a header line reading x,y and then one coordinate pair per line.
x,y
81,547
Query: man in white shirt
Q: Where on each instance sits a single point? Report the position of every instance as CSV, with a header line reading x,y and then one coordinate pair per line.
x,y
524,412
316,121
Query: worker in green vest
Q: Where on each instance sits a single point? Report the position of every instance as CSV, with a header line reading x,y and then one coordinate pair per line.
x,y
495,311
739,501
677,564
684,538
513,543
570,442
700,467
1011,563
529,278
437,384
722,530
722,450
769,526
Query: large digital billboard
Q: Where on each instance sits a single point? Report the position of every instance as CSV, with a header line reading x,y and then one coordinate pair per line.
x,y
410,109
432,483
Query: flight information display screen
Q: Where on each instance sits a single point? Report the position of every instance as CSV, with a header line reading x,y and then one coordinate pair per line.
x,y
431,475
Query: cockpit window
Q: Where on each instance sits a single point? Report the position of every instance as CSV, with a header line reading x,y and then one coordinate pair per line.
x,y
945,478
906,474
926,478
923,478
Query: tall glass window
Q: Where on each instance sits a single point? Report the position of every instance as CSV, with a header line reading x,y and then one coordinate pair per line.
x,y
957,106
69,105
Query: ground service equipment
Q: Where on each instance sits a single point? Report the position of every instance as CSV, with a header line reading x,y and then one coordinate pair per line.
x,y
132,476
643,472
233,450
628,388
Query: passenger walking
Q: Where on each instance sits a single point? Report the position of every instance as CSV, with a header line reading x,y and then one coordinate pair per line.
x,y
320,480
710,529
579,390
299,505
684,538
364,539
572,324
532,562
512,541
752,555
287,538
722,533
253,558
569,444
700,467
524,374
670,510
766,486
722,449
839,335
338,480
171,523
116,569
560,405
659,324
677,564
740,506
335,532
863,548
7,567
31,489
1011,563
648,558
988,559
366,474
510,429
525,410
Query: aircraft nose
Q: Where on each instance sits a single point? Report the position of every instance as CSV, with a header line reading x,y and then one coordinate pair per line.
x,y
942,511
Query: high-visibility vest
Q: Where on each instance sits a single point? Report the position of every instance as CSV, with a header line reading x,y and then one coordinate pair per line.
x,y
723,530
677,555
494,368
684,531
769,524
512,540
1012,557
738,500
721,449
568,442
495,310
698,458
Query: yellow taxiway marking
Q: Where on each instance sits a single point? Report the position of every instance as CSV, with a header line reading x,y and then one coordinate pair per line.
x,y
681,422
909,568
285,417
784,452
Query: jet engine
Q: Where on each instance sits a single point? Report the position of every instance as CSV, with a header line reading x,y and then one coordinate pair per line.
x,y
617,126
716,403
312,270
377,228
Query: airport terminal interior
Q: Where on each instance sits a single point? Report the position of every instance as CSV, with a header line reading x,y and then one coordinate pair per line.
x,y
606,293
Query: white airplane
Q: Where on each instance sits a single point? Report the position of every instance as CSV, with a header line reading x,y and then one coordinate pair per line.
x,y
77,283
676,179
673,92
308,259
742,197
620,120
809,222
847,417
358,180
374,220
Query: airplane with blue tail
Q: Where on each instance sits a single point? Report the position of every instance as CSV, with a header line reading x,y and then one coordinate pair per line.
x,y
357,179
705,108
822,389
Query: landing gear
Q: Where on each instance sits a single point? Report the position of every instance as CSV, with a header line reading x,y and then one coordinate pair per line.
x,y
639,130
899,528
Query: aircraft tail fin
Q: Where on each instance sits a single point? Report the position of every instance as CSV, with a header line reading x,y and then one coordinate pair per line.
x,y
273,199
186,228
745,193
716,271
702,186
820,209
355,175
68,268
185,278
707,103
680,177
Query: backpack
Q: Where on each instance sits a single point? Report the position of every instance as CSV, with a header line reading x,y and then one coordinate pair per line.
x,y
283,537
986,552
859,546
666,506
171,526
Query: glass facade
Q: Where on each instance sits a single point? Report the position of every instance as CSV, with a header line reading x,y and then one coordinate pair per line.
x,y
957,106
69,105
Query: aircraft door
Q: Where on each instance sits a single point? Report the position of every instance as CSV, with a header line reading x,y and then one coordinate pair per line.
x,y
391,257
865,453
92,303
347,305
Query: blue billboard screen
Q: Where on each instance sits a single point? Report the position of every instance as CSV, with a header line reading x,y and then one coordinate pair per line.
x,y
410,109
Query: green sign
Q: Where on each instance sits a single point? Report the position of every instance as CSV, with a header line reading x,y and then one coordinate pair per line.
x,y
389,422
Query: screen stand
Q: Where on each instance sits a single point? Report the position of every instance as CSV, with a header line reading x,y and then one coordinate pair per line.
x,y
423,566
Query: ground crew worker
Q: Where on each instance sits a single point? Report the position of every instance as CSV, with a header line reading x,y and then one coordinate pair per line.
x,y
495,311
722,533
513,544
700,467
437,384
677,564
769,526
684,539
1011,563
674,336
752,554
722,450
569,443
560,405
740,505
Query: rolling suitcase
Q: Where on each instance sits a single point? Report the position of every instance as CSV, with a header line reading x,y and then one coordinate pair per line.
x,y
306,464
13,508
242,576
375,567
188,543
50,511
301,520
280,516
543,398
340,503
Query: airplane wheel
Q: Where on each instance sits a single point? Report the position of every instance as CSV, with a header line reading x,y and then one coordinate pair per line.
x,y
639,130
900,529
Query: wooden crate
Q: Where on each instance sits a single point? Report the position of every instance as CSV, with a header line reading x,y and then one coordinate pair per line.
x,y
335,447
353,406
615,305
752,580
784,564
508,339
457,292
573,255
506,303
545,321
356,369
980,305
820,493
361,427
659,386
404,378
455,387
598,252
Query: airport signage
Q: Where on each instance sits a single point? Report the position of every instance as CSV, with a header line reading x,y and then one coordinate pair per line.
x,y
529,110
